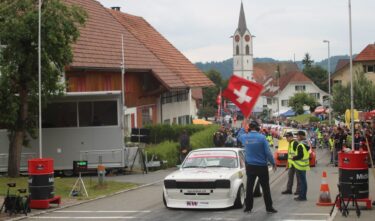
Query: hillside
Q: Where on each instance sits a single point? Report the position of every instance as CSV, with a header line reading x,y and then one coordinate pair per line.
x,y
225,67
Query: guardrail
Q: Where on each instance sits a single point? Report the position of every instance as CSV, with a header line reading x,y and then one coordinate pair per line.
x,y
109,158
24,158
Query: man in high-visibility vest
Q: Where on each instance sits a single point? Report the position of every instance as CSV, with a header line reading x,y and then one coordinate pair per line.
x,y
292,152
302,164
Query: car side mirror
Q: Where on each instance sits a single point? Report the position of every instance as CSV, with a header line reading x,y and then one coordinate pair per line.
x,y
178,166
276,147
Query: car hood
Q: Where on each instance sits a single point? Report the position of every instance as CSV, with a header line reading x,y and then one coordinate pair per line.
x,y
202,174
283,145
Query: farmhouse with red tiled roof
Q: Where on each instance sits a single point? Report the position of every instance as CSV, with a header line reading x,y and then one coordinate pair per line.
x,y
161,84
280,90
363,63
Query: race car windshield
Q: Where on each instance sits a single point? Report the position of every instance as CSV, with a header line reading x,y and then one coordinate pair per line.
x,y
204,159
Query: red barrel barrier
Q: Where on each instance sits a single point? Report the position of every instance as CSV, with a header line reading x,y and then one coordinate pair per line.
x,y
353,174
41,182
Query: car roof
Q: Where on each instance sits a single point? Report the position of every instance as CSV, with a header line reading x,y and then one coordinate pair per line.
x,y
219,148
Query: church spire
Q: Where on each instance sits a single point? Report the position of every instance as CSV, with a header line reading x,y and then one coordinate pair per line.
x,y
242,21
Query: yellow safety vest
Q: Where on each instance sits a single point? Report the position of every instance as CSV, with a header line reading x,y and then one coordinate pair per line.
x,y
304,163
319,135
331,143
291,154
270,139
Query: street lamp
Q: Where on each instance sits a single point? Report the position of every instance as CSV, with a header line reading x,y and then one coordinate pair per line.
x,y
351,73
329,82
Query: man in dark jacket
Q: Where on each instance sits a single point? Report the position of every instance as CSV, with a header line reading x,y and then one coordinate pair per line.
x,y
184,145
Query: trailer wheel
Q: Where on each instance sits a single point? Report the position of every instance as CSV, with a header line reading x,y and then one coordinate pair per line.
x,y
68,173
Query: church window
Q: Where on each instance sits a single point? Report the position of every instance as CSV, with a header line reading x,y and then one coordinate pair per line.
x,y
237,50
247,50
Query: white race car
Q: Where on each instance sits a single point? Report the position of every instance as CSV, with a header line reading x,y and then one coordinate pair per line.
x,y
208,178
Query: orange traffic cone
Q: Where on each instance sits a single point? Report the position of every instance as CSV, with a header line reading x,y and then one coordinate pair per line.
x,y
325,196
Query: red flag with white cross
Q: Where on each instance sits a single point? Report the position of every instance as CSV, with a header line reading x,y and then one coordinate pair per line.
x,y
243,93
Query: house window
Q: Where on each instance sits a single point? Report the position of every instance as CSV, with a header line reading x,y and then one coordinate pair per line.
x,y
184,120
175,96
300,87
60,115
247,50
146,116
368,68
237,50
285,103
269,101
97,113
315,95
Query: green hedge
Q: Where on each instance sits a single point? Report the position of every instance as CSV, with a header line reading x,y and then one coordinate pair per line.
x,y
203,138
166,132
168,150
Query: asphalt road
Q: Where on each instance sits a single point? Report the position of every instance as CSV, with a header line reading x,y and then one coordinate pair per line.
x,y
145,204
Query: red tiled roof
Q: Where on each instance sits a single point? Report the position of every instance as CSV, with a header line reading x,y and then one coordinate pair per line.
x,y
291,77
341,63
367,54
260,75
99,46
162,49
271,67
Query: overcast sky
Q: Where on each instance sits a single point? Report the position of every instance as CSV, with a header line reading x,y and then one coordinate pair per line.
x,y
201,29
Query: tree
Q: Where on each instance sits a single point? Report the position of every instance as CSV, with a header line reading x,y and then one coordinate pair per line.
x,y
210,93
301,99
318,75
306,61
19,64
364,91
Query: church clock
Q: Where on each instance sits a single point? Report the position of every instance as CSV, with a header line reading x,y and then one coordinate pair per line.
x,y
247,38
237,38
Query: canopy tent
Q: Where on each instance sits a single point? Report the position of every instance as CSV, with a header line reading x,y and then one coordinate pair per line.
x,y
201,121
319,110
289,113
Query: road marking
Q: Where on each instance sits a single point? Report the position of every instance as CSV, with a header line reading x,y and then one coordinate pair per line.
x,y
303,220
83,217
309,214
218,219
104,211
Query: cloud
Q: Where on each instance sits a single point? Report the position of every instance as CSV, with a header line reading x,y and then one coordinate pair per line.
x,y
201,28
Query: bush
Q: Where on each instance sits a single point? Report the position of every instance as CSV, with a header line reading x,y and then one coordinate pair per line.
x,y
165,151
313,119
203,138
166,132
169,150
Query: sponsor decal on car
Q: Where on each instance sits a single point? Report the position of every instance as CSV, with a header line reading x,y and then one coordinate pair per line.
x,y
191,203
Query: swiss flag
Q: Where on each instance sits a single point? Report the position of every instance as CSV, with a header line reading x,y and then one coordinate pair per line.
x,y
243,93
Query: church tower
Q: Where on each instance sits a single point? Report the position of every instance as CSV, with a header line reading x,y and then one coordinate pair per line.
x,y
243,49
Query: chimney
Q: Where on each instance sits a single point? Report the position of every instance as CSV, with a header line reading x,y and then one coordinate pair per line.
x,y
116,8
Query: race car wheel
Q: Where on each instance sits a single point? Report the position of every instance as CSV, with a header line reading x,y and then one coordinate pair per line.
x,y
240,198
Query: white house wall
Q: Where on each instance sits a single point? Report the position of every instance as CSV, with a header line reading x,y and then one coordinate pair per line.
x,y
178,109
289,91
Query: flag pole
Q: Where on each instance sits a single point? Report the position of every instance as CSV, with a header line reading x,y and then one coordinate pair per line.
x,y
122,87
40,77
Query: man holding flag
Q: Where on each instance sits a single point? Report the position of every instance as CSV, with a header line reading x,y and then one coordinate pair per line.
x,y
244,94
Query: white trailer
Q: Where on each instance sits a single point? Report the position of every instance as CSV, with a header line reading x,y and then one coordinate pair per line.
x,y
77,126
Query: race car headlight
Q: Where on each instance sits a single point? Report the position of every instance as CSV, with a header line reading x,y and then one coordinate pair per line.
x,y
222,183
170,184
